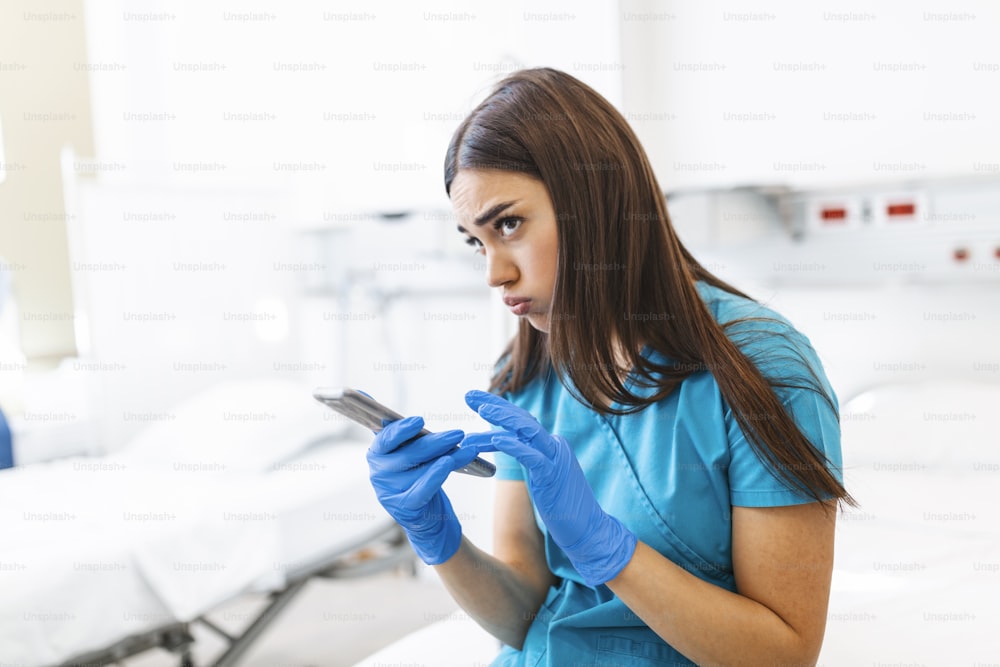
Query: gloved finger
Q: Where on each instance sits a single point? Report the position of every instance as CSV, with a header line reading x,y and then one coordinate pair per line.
x,y
430,482
430,447
481,442
461,457
526,454
477,398
396,433
500,412
417,453
487,442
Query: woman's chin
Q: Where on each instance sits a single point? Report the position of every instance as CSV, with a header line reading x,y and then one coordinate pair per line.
x,y
540,321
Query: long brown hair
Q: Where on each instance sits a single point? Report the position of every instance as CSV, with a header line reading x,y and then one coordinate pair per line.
x,y
622,274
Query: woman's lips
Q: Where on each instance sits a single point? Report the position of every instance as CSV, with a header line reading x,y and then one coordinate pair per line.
x,y
518,305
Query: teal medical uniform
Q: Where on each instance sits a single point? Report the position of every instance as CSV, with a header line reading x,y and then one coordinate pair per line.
x,y
671,473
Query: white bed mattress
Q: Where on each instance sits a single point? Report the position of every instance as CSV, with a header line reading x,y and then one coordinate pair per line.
x,y
95,550
917,568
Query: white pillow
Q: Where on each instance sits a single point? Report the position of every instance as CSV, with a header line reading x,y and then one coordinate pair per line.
x,y
246,426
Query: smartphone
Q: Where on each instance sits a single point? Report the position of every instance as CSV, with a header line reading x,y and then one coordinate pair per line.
x,y
371,414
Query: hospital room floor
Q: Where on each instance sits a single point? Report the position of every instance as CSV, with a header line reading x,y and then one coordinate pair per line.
x,y
329,624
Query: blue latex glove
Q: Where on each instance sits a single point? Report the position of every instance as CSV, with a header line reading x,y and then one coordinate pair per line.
x,y
407,480
598,544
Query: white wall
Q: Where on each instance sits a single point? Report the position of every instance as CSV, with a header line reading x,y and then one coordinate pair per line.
x,y
812,93
360,97
228,136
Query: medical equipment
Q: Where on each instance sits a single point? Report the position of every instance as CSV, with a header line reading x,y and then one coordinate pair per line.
x,y
920,232
246,488
371,414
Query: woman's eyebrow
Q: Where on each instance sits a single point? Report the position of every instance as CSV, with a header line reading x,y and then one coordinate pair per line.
x,y
483,218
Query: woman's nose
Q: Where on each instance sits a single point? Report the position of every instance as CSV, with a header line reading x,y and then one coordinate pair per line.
x,y
499,269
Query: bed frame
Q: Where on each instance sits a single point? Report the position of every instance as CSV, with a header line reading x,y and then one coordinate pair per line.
x,y
384,548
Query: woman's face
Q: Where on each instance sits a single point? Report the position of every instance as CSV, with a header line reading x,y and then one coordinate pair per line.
x,y
508,217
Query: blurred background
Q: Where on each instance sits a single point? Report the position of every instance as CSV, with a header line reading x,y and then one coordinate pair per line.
x,y
203,194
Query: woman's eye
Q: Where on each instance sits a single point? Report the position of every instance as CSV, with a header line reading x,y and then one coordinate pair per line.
x,y
507,226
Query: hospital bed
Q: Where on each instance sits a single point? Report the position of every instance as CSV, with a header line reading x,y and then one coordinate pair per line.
x,y
246,488
917,567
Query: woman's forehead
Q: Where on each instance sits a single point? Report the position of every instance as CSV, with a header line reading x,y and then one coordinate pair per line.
x,y
475,188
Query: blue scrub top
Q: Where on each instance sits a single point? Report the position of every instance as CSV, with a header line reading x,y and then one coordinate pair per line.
x,y
671,473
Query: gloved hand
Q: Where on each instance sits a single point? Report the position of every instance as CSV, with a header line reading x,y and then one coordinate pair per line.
x,y
407,480
598,544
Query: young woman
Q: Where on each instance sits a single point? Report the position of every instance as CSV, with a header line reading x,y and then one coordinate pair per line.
x,y
669,448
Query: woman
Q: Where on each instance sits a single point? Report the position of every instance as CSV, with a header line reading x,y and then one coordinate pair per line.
x,y
669,448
